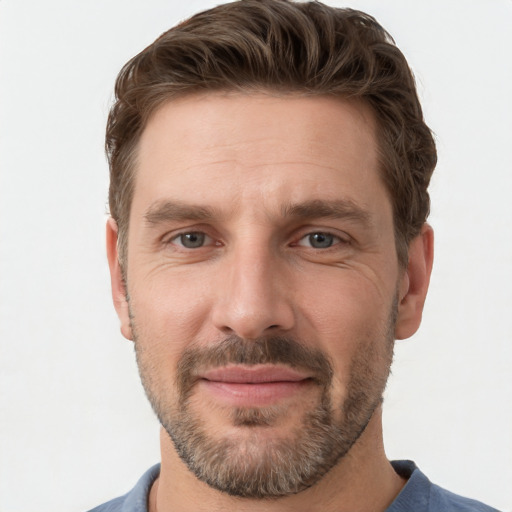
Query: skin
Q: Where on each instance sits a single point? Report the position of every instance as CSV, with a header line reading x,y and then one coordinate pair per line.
x,y
248,158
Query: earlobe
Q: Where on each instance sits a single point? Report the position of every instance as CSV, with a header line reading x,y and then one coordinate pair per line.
x,y
117,281
414,283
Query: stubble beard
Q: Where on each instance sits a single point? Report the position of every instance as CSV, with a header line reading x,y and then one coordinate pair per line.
x,y
256,466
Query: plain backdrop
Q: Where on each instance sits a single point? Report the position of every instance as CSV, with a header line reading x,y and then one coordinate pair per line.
x,y
75,428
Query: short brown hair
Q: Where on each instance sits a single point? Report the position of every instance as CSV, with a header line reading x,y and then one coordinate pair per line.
x,y
285,47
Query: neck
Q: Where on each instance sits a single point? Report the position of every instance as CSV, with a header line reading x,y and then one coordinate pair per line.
x,y
362,481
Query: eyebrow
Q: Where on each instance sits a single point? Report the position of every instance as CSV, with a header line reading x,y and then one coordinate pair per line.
x,y
322,209
165,211
168,211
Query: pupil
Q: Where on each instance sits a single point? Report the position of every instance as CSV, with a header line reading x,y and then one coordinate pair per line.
x,y
321,240
192,240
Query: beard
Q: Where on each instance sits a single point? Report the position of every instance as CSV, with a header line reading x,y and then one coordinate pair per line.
x,y
252,465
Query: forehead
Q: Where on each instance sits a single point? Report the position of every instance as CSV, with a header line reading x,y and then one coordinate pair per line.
x,y
235,147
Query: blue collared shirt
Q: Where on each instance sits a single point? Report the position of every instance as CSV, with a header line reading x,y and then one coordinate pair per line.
x,y
418,495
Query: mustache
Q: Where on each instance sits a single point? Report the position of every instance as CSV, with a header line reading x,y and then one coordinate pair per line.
x,y
238,351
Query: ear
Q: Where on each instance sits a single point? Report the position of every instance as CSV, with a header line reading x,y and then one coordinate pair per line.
x,y
414,283
117,281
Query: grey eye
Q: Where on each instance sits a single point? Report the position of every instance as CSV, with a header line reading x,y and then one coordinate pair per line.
x,y
320,240
191,240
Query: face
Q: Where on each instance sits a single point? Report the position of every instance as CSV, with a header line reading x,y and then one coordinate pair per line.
x,y
263,287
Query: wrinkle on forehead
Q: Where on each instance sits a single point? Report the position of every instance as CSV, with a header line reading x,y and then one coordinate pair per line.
x,y
221,120
227,151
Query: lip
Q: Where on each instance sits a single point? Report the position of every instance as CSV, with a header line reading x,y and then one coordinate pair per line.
x,y
253,374
253,386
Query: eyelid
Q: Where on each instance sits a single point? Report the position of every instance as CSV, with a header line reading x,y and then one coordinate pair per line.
x,y
171,238
207,239
341,237
336,241
212,239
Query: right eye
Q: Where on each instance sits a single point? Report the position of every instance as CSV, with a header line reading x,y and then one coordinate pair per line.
x,y
192,240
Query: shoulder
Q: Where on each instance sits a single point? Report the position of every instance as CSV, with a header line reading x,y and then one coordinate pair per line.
x,y
421,495
441,499
115,505
136,500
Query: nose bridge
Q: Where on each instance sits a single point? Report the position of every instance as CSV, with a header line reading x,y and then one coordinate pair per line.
x,y
253,299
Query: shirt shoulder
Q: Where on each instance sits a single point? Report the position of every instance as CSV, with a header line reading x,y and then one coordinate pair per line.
x,y
137,499
421,495
441,499
115,505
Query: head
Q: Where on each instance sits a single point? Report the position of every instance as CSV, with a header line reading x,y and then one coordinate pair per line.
x,y
280,47
269,166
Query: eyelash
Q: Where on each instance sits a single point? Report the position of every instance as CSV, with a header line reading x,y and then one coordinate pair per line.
x,y
335,240
180,236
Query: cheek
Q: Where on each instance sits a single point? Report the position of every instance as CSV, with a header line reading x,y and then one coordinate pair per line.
x,y
168,315
344,306
346,317
172,296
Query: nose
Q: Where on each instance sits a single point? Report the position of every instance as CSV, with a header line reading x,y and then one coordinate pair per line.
x,y
253,298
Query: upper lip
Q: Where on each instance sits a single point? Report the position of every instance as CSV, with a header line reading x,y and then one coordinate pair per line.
x,y
253,374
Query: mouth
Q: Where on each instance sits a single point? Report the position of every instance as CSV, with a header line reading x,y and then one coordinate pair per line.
x,y
253,386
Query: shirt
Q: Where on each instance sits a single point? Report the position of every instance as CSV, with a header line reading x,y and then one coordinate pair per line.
x,y
418,495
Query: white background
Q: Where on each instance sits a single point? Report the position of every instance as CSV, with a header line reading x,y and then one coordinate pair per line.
x,y
75,429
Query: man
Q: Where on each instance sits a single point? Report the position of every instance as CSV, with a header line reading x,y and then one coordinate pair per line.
x,y
268,243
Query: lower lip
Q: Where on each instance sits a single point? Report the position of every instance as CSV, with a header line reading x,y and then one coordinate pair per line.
x,y
253,394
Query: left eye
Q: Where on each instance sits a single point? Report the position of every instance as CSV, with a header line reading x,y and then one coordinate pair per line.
x,y
319,240
192,240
